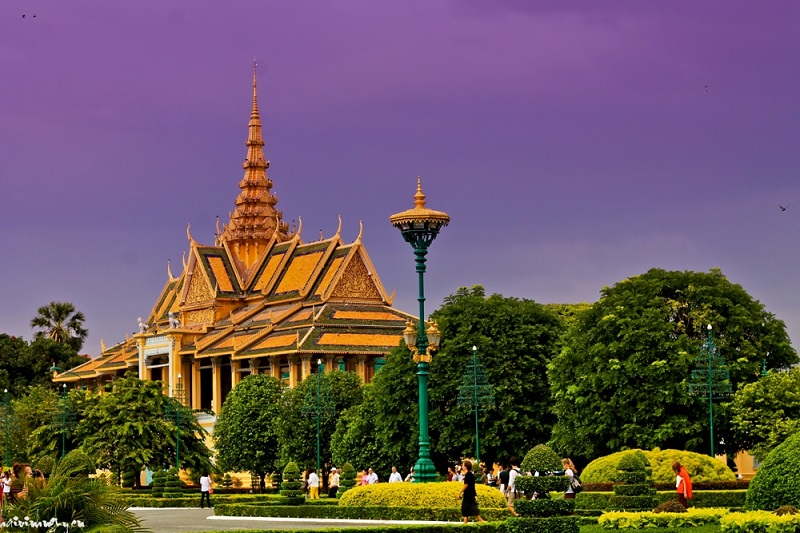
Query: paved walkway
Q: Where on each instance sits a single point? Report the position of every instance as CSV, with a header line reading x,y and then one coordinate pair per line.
x,y
188,520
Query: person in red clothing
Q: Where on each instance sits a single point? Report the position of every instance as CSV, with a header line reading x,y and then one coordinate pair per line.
x,y
683,484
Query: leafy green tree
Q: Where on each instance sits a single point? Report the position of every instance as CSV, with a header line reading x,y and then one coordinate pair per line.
x,y
60,322
24,364
767,412
126,429
297,431
621,379
244,435
516,339
31,412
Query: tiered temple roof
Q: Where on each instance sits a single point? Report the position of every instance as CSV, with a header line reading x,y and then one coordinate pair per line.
x,y
259,298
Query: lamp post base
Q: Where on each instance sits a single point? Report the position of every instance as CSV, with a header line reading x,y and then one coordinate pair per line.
x,y
424,471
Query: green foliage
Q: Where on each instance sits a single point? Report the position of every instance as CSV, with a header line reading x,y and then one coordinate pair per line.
x,y
649,520
450,514
541,484
633,461
727,499
129,478
786,509
244,434
542,459
347,479
434,495
157,486
670,506
33,411
758,521
125,428
297,431
620,380
544,507
777,481
554,524
636,490
227,480
766,412
70,494
60,322
172,484
290,487
701,468
516,339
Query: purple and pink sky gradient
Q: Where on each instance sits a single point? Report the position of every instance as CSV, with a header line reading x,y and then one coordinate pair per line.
x,y
574,144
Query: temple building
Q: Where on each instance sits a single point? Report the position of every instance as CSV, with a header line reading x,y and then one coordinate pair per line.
x,y
259,300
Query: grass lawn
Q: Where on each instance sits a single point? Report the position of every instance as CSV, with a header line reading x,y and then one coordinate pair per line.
x,y
701,529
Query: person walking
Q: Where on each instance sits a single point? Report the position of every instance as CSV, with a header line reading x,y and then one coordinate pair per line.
x,y
313,485
205,490
503,477
511,489
395,476
468,495
333,483
569,471
683,484
372,477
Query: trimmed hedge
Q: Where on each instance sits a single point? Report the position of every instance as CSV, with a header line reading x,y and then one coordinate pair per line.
x,y
541,484
541,458
480,527
701,468
777,481
436,495
359,513
758,521
290,488
544,507
553,524
643,520
729,499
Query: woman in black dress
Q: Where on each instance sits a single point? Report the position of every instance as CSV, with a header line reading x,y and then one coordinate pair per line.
x,y
469,498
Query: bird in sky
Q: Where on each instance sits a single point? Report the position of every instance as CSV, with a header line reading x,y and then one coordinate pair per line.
x,y
783,208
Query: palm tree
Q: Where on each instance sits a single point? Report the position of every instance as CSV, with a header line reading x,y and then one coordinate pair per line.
x,y
71,495
62,323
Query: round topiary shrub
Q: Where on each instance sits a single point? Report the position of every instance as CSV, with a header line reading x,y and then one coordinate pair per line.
x,y
701,468
347,479
777,482
635,491
542,459
670,506
428,495
128,478
290,487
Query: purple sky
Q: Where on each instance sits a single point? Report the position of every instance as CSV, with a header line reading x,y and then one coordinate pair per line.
x,y
573,144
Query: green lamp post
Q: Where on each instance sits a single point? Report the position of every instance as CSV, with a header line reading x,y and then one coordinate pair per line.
x,y
475,392
419,227
172,411
710,379
6,420
66,419
319,405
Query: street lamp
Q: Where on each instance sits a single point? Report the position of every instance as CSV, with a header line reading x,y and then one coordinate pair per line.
x,y
5,422
319,405
173,412
711,379
60,370
419,227
67,418
476,392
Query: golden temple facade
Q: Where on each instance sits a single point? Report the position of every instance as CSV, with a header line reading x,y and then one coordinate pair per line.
x,y
259,300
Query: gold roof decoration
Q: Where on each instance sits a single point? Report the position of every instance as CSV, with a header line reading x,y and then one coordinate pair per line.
x,y
419,215
255,221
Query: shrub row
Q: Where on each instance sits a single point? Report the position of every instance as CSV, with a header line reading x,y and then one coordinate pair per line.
x,y
138,500
437,495
484,527
708,485
544,507
356,513
730,499
758,521
692,518
553,524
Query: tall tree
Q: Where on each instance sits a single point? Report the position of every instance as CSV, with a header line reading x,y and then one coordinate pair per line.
x,y
125,429
515,339
25,364
62,323
244,435
297,431
621,379
767,412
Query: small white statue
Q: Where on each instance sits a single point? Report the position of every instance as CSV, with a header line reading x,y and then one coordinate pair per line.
x,y
174,323
142,326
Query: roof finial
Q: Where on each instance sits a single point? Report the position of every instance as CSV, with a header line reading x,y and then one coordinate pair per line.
x,y
254,112
419,198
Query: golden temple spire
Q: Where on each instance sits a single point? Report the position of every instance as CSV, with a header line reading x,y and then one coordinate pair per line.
x,y
255,220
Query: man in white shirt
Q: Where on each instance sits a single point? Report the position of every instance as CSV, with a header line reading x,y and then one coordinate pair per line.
x,y
205,490
395,476
511,491
313,485
372,477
